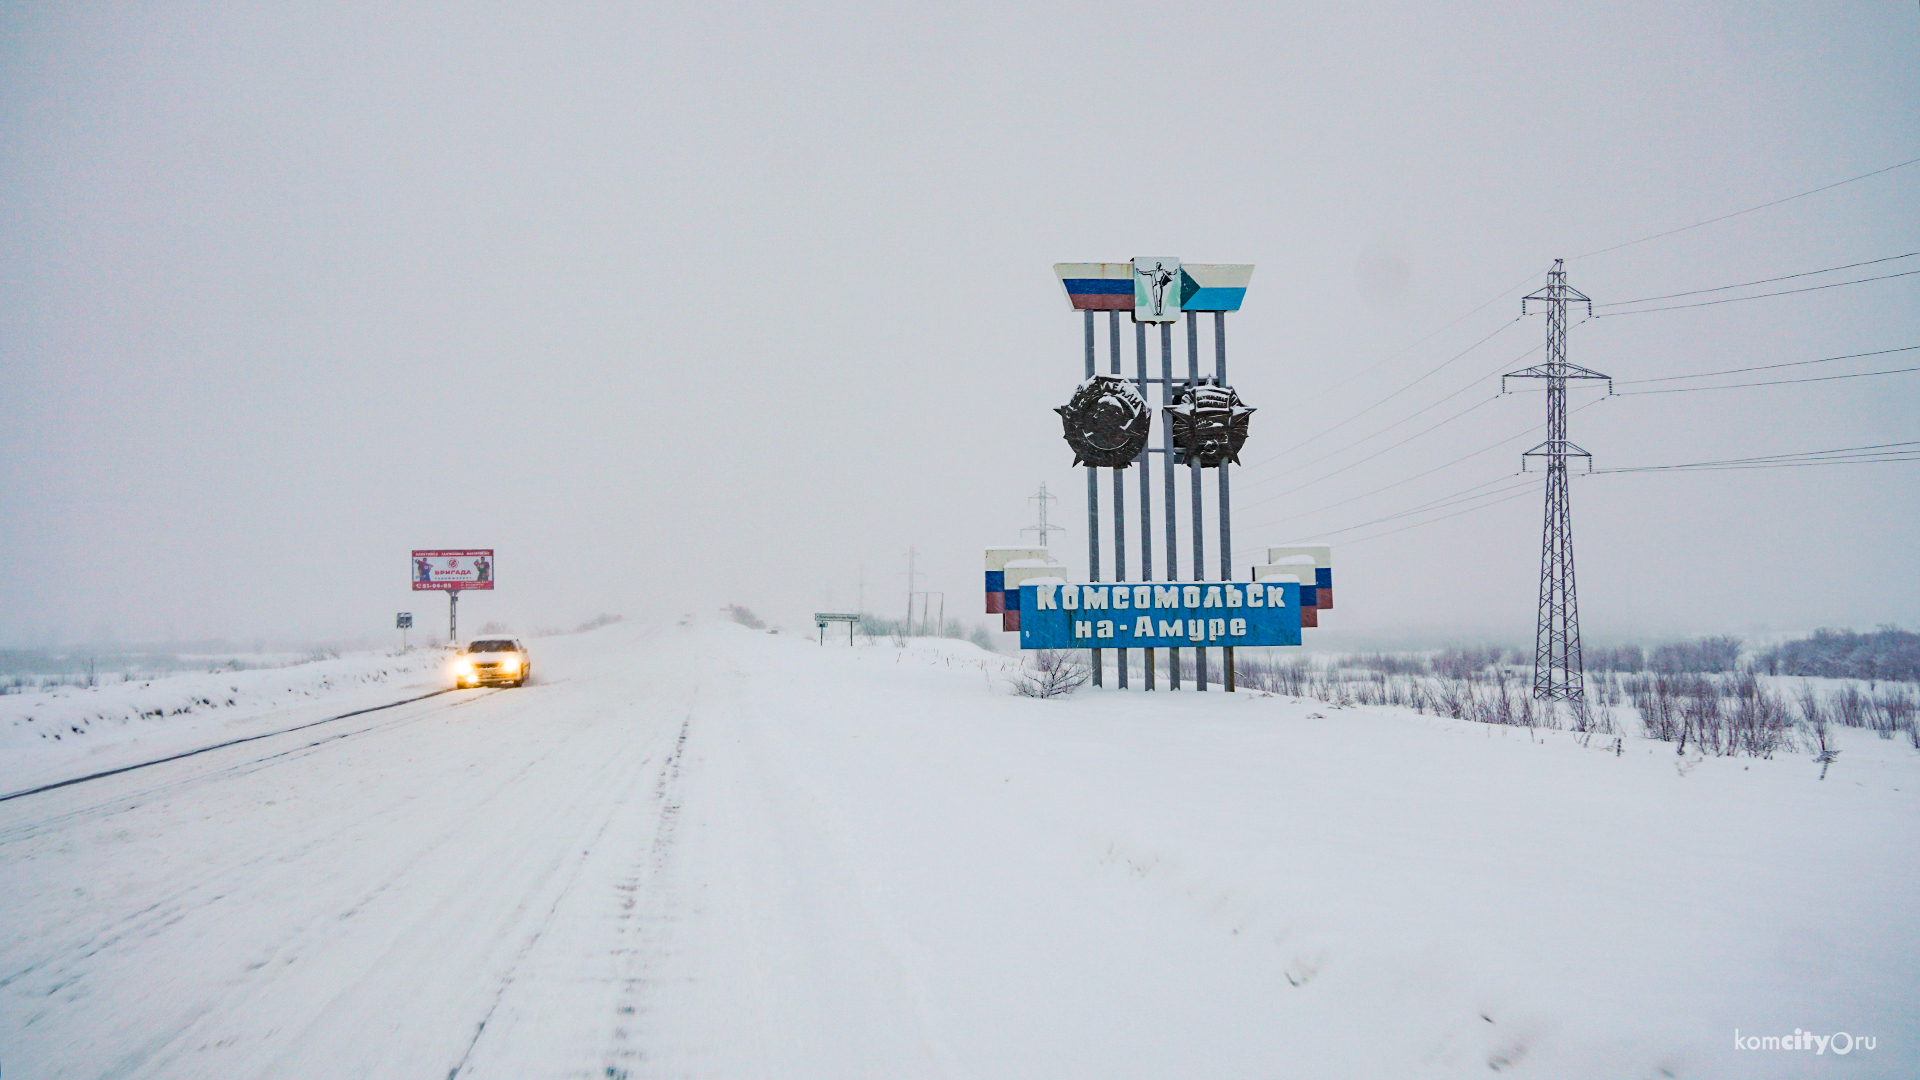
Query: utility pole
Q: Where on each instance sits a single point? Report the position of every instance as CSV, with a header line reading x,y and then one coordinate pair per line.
x,y
1043,528
911,576
1558,673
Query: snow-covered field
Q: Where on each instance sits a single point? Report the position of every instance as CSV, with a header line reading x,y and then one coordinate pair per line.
x,y
712,852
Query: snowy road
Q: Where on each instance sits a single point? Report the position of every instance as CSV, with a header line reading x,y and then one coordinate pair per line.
x,y
406,893
711,853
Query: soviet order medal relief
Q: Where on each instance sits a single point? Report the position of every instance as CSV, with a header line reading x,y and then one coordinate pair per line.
x,y
1209,425
1107,422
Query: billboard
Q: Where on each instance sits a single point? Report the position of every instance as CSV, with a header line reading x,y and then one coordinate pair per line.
x,y
470,568
1159,614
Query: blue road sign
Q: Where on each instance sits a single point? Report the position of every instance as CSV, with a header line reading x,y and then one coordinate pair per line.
x,y
1159,615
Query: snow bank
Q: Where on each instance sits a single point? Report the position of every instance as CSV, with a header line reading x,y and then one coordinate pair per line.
x,y
67,731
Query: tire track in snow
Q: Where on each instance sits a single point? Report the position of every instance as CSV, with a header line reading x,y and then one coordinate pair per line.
x,y
150,920
120,803
320,931
541,930
646,928
68,966
216,746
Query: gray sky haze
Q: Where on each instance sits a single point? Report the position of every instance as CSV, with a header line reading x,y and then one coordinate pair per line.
x,y
677,306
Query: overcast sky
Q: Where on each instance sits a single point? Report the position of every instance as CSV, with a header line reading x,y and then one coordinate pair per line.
x,y
682,305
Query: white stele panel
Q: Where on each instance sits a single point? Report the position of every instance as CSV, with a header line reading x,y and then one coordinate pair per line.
x,y
998,558
1321,554
1018,575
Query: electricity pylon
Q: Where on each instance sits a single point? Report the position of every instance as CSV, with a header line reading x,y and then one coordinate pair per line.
x,y
1043,528
1558,673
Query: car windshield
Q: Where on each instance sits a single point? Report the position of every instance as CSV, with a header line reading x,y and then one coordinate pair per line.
x,y
492,646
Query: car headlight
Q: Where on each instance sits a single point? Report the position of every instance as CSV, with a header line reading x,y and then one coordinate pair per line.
x,y
510,665
463,667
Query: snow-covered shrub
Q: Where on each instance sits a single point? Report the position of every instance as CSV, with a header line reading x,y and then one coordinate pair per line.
x,y
1050,673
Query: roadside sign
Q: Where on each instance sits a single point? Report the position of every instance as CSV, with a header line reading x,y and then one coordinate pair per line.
x,y
1159,614
447,569
403,621
822,618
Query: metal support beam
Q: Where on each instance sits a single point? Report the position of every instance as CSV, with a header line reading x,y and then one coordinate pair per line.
x,y
1093,509
1119,499
1193,471
1146,489
1226,504
1166,461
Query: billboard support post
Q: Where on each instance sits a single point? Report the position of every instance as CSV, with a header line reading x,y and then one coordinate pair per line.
x,y
453,617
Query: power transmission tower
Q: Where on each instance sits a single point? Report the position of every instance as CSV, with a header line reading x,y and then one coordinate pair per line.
x,y
1558,673
1043,528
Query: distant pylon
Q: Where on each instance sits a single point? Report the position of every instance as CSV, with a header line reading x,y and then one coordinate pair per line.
x,y
1558,673
1043,528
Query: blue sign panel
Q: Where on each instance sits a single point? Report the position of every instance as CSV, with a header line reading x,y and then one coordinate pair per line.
x,y
1159,615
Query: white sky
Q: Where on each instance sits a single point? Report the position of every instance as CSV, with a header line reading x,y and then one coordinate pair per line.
x,y
681,306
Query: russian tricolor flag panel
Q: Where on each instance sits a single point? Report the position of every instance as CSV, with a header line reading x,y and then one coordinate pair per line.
x,y
1097,286
1109,286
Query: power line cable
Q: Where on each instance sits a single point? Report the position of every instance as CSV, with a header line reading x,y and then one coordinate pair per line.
x,y
1375,491
1429,472
1436,504
1762,281
1757,296
1427,408
1801,456
1326,431
1378,452
1765,367
1430,521
1874,459
1770,382
1504,293
1749,210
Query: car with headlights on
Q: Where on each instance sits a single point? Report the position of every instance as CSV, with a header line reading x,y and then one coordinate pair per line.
x,y
495,661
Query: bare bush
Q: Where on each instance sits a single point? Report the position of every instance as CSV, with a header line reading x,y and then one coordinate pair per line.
x,y
1589,720
1464,663
1273,676
1893,712
1386,663
1851,707
1705,655
1048,673
1618,658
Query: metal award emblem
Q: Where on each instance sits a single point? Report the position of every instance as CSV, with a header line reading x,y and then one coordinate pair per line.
x,y
1209,424
1107,422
